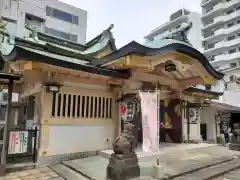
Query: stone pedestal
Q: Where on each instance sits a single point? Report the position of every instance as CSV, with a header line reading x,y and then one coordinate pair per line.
x,y
2,170
235,138
123,167
234,146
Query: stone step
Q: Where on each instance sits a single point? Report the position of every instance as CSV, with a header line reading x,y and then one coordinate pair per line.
x,y
211,172
233,175
66,172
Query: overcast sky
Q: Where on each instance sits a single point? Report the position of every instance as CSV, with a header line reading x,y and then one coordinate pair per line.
x,y
132,19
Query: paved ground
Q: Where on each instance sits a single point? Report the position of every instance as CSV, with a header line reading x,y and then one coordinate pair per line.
x,y
233,175
34,174
175,161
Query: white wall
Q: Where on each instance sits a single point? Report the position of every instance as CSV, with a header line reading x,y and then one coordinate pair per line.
x,y
65,139
208,117
195,33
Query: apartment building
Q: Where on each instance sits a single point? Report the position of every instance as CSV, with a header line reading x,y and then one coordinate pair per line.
x,y
221,32
179,21
49,16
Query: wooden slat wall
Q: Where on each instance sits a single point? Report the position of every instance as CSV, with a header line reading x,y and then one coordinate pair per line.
x,y
68,105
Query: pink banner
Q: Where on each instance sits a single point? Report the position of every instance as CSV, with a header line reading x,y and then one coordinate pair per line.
x,y
149,121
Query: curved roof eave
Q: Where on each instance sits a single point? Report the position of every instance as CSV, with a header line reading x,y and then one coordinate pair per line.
x,y
194,89
23,53
169,46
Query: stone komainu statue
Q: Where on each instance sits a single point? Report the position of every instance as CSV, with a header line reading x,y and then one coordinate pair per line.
x,y
125,143
123,163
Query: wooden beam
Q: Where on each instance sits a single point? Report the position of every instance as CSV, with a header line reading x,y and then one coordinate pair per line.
x,y
185,83
145,77
30,90
30,65
80,77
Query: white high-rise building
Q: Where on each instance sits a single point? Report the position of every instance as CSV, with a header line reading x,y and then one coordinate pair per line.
x,y
179,21
221,32
49,16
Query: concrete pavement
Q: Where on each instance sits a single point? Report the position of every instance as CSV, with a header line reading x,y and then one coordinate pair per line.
x,y
175,163
180,163
34,174
233,175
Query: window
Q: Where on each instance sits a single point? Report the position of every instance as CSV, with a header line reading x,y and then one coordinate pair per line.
x,y
232,51
61,34
81,106
209,46
230,38
230,24
64,16
230,11
233,64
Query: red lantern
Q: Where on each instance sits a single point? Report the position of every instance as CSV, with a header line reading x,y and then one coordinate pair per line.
x,y
123,109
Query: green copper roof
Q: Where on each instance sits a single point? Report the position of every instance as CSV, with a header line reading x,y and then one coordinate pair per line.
x,y
162,42
47,43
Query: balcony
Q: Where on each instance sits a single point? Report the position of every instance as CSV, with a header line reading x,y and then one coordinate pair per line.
x,y
231,16
165,27
233,42
206,3
219,32
226,57
211,25
232,29
171,32
220,44
227,17
231,3
217,10
216,48
216,36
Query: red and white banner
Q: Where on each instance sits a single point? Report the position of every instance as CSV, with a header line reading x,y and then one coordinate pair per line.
x,y
150,125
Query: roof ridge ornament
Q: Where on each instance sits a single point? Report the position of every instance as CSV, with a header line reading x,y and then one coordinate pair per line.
x,y
181,35
34,34
110,27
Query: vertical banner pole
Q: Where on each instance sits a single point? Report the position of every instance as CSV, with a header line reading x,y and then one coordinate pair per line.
x,y
158,120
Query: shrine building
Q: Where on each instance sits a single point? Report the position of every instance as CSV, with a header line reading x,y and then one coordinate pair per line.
x,y
71,92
